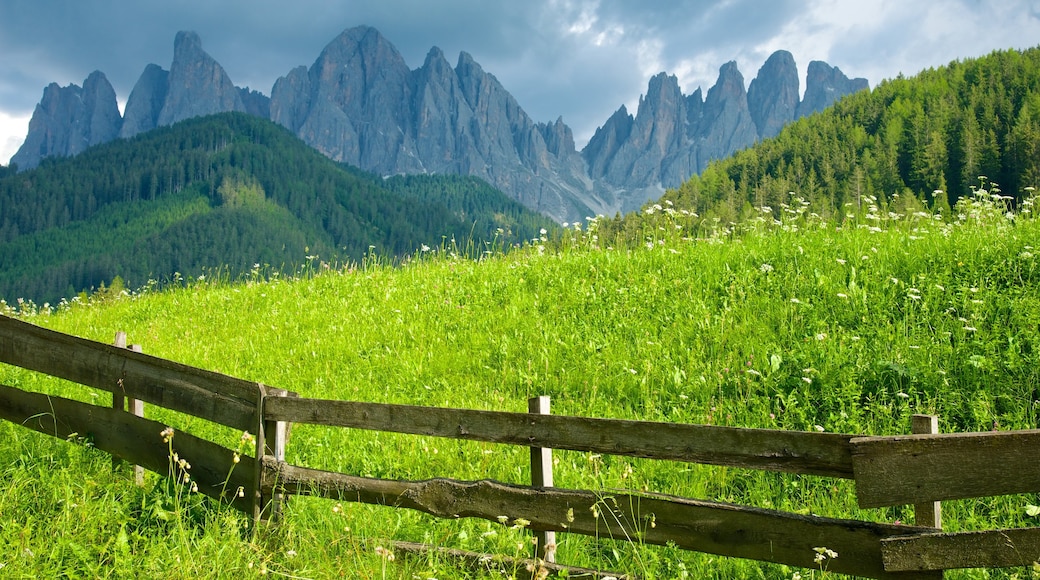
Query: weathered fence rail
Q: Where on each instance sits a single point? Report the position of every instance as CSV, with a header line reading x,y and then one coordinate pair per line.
x,y
912,469
827,454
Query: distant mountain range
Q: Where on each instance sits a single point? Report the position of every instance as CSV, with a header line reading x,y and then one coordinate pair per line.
x,y
360,104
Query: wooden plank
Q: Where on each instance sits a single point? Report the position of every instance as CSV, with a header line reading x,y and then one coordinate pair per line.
x,y
929,513
542,477
912,469
209,395
526,569
826,454
132,438
987,549
715,528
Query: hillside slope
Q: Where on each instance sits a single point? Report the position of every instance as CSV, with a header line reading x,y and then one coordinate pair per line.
x,y
852,330
910,144
223,192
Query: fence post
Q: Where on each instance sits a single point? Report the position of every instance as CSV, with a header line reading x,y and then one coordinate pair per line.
x,y
261,449
928,514
121,402
542,477
276,434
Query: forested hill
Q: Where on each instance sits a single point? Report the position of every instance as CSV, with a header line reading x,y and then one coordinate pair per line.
x,y
926,139
226,191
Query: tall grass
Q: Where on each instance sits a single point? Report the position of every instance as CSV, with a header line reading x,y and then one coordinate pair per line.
x,y
787,322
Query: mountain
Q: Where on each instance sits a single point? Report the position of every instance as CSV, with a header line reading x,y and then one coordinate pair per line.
x,y
70,119
773,96
674,136
222,193
912,146
360,104
825,84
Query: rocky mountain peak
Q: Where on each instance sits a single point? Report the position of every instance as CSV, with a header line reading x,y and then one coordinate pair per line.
x,y
773,95
359,103
825,84
70,119
186,42
145,102
197,84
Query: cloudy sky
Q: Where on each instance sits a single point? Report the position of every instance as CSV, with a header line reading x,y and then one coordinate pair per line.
x,y
579,59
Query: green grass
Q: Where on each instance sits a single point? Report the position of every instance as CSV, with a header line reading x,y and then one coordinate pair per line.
x,y
801,326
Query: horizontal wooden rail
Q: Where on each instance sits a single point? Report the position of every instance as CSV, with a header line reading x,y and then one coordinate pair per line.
x,y
826,454
715,528
527,568
209,395
988,549
134,439
911,469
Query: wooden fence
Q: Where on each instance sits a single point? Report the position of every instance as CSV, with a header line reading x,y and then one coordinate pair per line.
x,y
919,469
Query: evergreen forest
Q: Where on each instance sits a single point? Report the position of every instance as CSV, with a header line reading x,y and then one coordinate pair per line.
x,y
911,144
226,195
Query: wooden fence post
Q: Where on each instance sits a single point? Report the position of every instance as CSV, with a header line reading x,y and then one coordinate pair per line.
x,y
542,477
276,434
928,514
261,449
120,402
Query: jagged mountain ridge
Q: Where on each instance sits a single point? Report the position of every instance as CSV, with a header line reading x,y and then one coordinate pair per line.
x,y
359,103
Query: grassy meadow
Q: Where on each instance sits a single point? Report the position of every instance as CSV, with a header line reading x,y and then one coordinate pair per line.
x,y
786,322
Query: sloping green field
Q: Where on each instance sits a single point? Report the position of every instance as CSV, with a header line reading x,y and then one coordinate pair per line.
x,y
801,325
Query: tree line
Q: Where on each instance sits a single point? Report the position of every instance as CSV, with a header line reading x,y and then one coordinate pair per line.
x,y
223,192
911,143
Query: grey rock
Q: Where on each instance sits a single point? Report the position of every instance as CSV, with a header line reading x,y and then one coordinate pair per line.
x,y
353,106
773,95
198,85
359,103
442,120
824,85
291,99
145,102
725,125
255,102
70,119
605,143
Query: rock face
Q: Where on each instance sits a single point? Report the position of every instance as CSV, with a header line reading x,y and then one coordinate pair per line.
x,y
145,102
359,103
825,84
773,95
673,136
197,84
70,119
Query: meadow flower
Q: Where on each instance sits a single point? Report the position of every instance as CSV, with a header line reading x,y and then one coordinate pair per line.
x,y
823,553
